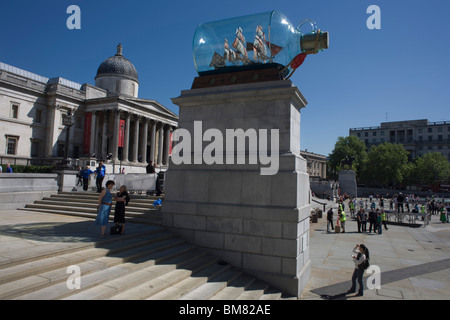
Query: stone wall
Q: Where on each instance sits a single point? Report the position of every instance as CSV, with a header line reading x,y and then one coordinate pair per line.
x,y
19,189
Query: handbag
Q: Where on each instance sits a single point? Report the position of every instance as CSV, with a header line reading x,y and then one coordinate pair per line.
x,y
116,229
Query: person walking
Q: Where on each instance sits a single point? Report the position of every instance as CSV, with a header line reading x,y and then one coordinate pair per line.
x,y
359,218
86,176
361,259
384,219
79,177
330,219
443,217
104,207
100,175
379,227
122,200
372,221
342,218
364,221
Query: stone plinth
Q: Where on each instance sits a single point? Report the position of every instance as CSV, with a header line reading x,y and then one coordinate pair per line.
x,y
254,220
347,182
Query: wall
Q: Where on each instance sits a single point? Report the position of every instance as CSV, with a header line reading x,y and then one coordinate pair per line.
x,y
19,189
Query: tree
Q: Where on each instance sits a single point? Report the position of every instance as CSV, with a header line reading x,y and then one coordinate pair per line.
x,y
348,148
387,163
432,168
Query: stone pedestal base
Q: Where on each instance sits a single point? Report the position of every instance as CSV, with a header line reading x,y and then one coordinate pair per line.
x,y
256,222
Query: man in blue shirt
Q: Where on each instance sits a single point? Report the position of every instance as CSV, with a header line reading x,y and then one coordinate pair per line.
x,y
100,175
8,169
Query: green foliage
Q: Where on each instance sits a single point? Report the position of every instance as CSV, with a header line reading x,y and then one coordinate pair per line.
x,y
30,169
432,168
348,147
386,163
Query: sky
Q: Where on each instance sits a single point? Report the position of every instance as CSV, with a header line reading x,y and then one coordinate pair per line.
x,y
399,72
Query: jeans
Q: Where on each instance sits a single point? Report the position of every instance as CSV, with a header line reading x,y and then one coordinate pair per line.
x,y
357,274
328,225
98,183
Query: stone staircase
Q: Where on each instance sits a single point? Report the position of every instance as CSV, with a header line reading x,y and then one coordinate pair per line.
x,y
147,264
140,209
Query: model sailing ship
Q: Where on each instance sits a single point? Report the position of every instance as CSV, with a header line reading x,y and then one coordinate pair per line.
x,y
240,48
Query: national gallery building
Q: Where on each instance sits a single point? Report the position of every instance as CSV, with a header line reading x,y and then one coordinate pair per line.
x,y
43,120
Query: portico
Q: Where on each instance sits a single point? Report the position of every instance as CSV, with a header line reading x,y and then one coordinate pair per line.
x,y
121,132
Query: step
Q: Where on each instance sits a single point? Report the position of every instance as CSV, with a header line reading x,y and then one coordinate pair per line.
x,y
183,287
155,285
209,289
58,256
87,208
147,218
107,268
254,292
235,288
94,195
113,287
144,204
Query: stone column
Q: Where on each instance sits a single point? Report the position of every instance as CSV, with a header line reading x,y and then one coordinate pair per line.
x,y
136,140
153,141
166,145
115,146
144,140
126,140
104,151
254,221
93,138
160,143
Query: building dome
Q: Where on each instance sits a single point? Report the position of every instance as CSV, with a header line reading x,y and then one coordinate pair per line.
x,y
118,76
117,65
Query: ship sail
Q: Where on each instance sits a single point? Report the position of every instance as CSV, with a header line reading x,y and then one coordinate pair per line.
x,y
238,44
259,47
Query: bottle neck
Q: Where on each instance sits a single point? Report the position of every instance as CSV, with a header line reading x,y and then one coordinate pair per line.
x,y
314,42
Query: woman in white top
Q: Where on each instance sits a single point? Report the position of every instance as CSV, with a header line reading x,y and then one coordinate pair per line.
x,y
360,256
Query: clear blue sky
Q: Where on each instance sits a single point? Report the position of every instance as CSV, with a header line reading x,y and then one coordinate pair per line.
x,y
401,72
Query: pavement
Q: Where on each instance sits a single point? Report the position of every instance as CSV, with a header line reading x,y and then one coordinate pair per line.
x,y
410,263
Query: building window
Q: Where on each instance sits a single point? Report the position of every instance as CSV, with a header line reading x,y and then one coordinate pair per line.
x,y
430,138
440,139
15,111
11,145
439,129
374,134
420,138
430,130
420,130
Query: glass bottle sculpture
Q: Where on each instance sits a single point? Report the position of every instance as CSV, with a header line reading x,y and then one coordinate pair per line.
x,y
255,41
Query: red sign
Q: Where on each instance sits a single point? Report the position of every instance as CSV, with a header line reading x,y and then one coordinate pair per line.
x,y
121,132
87,133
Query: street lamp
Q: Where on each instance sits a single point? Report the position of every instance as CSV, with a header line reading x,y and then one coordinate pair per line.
x,y
68,122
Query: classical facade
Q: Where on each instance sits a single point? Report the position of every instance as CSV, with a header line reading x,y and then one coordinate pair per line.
x,y
108,121
316,164
417,136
